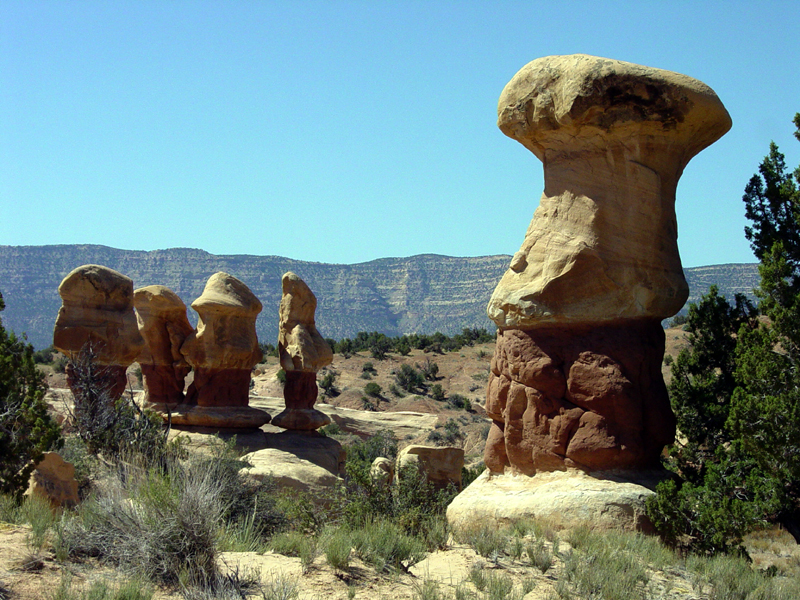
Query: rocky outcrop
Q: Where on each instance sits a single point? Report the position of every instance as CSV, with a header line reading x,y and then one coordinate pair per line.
x,y
54,479
302,352
441,466
161,316
222,352
301,460
97,317
564,499
576,377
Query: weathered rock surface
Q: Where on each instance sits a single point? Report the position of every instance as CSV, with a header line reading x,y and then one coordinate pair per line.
x,y
404,424
440,465
381,472
54,480
97,311
294,472
576,379
565,498
614,138
302,352
590,397
161,316
222,352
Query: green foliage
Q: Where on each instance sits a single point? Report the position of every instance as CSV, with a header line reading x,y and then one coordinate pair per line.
x,y
458,401
372,389
429,369
26,429
281,376
328,383
111,426
410,379
736,390
437,393
268,349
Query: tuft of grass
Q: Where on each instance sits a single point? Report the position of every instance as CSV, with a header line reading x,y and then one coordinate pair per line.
x,y
489,542
428,590
281,587
337,549
133,589
539,556
383,544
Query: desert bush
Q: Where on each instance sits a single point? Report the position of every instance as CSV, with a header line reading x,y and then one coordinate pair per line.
x,y
26,428
487,540
409,379
437,393
458,401
384,545
539,556
470,474
112,426
337,548
372,389
154,524
281,376
328,384
429,369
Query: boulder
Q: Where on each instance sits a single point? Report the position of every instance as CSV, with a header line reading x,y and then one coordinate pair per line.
x,y
54,479
96,317
381,472
564,498
302,352
162,321
440,465
303,461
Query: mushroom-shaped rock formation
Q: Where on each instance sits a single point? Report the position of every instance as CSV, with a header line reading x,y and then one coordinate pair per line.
x,y
97,315
222,351
302,352
163,324
576,379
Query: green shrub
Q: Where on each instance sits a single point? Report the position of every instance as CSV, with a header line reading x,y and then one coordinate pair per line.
x,y
437,393
328,384
429,369
409,378
458,401
373,390
26,428
337,549
281,376
384,545
112,426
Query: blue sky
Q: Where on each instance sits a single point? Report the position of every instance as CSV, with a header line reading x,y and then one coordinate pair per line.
x,y
347,131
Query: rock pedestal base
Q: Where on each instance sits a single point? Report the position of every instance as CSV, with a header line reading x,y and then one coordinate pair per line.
x,y
578,397
606,500
216,417
300,394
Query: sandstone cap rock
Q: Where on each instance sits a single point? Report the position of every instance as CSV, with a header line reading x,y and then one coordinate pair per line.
x,y
226,294
554,99
157,300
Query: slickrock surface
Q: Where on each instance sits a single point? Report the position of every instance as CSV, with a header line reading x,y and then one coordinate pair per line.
x,y
97,311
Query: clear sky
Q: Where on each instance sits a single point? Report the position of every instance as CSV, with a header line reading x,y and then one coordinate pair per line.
x,y
343,131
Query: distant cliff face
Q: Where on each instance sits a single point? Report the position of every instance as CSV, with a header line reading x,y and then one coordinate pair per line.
x,y
421,294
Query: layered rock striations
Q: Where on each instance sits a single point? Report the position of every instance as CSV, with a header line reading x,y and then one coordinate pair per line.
x,y
97,317
222,353
164,326
302,352
576,378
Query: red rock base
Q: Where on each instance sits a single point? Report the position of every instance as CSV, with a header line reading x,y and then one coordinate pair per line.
x,y
300,394
219,387
163,384
589,398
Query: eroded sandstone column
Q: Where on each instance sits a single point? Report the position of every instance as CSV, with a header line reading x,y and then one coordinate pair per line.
x,y
161,316
576,378
302,352
97,311
222,352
